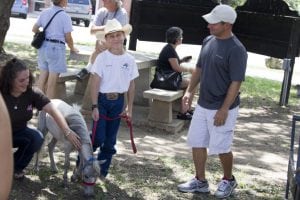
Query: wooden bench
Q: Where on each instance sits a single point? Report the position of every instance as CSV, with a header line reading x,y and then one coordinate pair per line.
x,y
161,108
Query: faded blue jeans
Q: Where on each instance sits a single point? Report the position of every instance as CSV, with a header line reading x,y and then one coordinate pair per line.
x,y
28,141
107,130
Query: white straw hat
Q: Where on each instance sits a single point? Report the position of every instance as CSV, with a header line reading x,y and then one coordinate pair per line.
x,y
113,26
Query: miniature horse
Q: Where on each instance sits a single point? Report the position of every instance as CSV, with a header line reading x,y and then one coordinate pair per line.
x,y
88,168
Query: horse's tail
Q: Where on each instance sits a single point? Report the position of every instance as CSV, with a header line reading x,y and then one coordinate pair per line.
x,y
41,125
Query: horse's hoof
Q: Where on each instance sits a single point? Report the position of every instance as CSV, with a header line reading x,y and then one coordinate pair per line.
x,y
54,170
36,169
74,178
66,184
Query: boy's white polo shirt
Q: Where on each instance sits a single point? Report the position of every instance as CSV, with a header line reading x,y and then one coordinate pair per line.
x,y
115,71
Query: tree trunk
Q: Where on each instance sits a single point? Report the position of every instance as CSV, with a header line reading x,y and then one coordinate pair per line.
x,y
5,10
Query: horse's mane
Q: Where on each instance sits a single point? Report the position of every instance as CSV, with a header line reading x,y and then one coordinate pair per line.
x,y
76,107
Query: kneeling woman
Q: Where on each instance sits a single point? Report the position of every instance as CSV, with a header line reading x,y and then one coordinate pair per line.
x,y
21,98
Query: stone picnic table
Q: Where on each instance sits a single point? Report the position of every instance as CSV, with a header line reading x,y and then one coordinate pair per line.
x,y
144,62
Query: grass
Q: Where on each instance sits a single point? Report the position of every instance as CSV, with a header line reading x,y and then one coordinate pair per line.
x,y
146,178
29,55
256,92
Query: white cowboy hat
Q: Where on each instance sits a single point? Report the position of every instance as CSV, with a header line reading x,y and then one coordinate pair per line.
x,y
111,27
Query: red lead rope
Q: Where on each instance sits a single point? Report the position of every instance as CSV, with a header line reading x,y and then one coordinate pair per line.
x,y
129,124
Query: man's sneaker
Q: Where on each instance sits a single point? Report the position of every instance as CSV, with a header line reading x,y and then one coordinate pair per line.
x,y
194,185
225,188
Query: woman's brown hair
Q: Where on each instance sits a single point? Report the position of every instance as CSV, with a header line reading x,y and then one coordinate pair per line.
x,y
9,73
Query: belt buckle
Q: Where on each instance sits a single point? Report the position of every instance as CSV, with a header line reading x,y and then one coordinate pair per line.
x,y
112,96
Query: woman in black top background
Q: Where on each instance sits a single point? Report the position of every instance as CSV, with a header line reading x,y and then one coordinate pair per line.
x,y
169,60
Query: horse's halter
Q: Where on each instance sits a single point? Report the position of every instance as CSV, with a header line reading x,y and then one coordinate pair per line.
x,y
87,163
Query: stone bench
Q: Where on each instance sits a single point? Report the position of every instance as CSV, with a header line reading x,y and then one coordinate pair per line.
x,y
161,108
60,90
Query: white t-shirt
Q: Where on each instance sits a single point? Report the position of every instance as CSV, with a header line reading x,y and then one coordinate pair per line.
x,y
116,71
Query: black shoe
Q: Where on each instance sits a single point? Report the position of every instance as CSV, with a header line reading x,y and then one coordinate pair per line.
x,y
184,116
191,112
82,74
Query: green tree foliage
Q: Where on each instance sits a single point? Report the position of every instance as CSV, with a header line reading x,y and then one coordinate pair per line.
x,y
233,3
293,4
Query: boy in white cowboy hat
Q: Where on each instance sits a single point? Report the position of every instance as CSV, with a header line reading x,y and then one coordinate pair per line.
x,y
113,77
112,9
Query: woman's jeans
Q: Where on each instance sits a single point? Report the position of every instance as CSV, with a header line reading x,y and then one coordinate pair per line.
x,y
106,130
28,141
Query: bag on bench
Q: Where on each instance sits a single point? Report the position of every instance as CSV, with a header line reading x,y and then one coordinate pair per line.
x,y
166,80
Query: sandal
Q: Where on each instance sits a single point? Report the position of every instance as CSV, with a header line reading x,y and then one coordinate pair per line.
x,y
184,116
19,175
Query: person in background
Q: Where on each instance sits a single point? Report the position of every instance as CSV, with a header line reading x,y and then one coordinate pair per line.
x,y
52,54
6,153
169,60
113,75
20,99
221,70
112,9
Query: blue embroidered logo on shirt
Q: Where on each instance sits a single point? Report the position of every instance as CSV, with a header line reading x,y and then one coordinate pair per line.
x,y
125,66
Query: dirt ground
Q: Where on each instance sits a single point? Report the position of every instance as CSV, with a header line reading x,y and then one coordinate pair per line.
x,y
261,149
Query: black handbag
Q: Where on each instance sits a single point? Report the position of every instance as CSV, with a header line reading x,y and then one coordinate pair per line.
x,y
39,37
166,80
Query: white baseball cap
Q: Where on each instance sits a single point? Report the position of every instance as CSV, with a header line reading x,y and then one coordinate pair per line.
x,y
221,13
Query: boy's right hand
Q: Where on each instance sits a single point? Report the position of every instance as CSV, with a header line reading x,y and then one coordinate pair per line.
x,y
95,114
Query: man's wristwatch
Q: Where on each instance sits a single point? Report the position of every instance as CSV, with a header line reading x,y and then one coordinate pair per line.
x,y
94,106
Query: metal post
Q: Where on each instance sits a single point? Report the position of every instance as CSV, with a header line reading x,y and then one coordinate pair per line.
x,y
286,66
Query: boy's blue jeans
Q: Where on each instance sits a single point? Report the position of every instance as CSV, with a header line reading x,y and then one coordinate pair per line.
x,y
28,141
106,130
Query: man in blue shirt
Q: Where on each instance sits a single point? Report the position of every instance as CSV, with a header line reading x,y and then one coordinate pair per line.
x,y
220,69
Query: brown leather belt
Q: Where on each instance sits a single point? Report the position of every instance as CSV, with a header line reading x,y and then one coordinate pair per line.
x,y
113,95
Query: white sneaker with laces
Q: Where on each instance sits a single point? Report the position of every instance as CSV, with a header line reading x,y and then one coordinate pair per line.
x,y
194,185
225,188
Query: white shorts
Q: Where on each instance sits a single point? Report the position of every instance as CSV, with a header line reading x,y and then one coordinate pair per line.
x,y
203,134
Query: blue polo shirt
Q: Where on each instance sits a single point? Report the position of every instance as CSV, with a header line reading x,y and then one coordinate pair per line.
x,y
221,61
